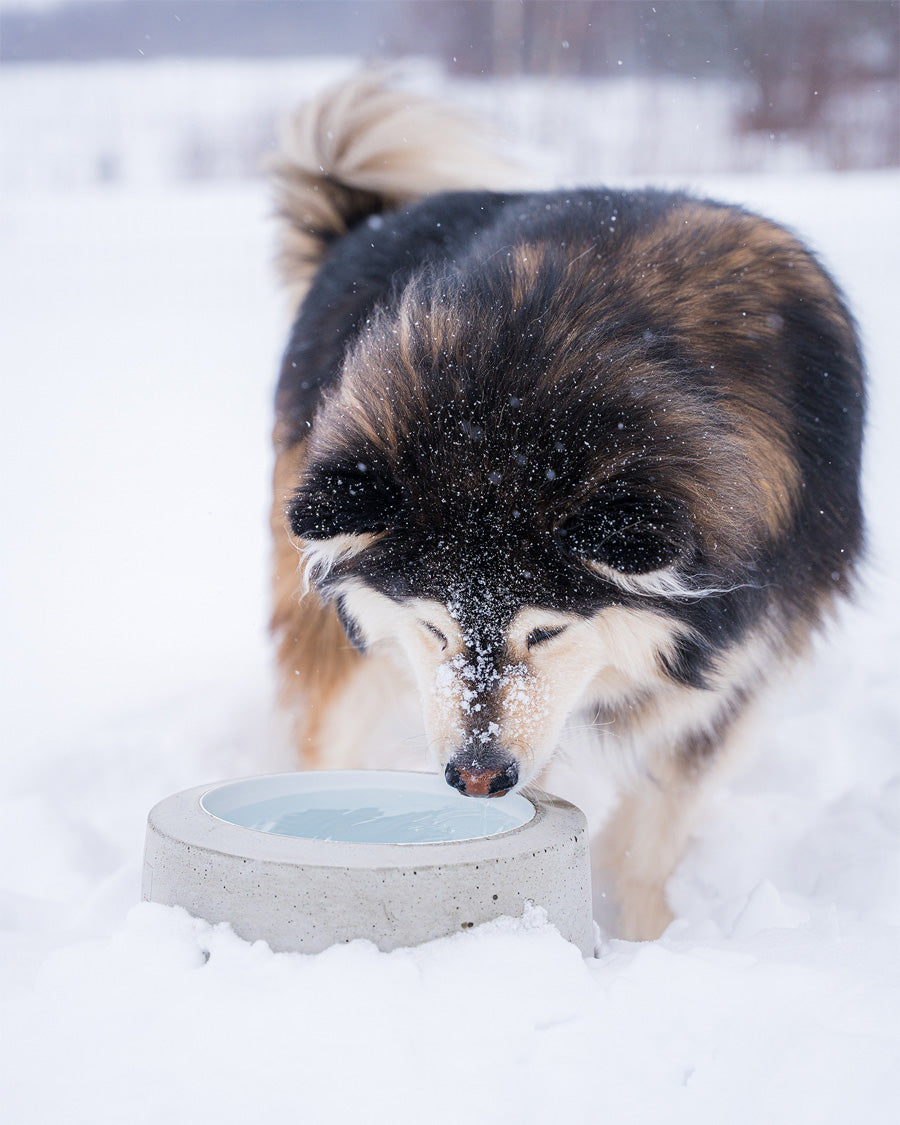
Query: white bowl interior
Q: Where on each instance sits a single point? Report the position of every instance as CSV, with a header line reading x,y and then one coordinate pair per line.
x,y
364,806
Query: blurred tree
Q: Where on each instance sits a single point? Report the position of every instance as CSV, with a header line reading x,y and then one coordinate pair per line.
x,y
822,73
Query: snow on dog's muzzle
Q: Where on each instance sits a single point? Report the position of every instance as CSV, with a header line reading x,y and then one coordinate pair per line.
x,y
482,771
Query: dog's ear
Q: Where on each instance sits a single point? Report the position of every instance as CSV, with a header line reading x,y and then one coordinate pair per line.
x,y
346,497
631,530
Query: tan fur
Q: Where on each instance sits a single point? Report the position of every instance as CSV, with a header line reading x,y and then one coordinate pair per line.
x,y
750,256
315,659
770,470
750,498
524,265
644,839
642,843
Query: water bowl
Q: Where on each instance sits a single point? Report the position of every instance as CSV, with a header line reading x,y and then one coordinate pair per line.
x,y
304,860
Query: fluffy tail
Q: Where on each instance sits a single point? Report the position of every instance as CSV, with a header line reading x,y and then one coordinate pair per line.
x,y
361,148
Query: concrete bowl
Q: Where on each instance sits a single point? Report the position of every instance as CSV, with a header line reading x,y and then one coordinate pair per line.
x,y
241,852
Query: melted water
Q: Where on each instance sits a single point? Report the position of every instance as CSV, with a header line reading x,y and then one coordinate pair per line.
x,y
431,813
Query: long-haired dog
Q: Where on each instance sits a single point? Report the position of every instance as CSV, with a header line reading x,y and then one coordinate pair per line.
x,y
588,454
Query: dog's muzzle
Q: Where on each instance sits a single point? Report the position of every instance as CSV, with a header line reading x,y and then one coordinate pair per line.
x,y
482,771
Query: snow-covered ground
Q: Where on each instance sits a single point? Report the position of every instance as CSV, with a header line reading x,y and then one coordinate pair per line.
x,y
140,338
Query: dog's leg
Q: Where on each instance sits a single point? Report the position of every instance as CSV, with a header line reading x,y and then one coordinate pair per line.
x,y
640,846
645,838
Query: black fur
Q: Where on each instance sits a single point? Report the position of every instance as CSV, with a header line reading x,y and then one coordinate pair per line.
x,y
493,498
366,268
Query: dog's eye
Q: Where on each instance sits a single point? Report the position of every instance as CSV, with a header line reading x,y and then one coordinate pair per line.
x,y
538,636
629,529
436,632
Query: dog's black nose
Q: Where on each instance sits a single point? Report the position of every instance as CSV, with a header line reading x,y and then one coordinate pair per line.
x,y
484,774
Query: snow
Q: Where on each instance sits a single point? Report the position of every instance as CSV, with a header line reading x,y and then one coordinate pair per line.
x,y
154,120
141,332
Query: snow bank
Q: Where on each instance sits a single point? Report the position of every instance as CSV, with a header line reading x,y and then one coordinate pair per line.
x,y
141,335
172,1019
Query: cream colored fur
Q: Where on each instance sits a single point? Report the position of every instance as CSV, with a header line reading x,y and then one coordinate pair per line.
x,y
610,662
363,146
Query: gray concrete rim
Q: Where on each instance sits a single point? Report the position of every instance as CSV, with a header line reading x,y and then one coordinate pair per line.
x,y
182,818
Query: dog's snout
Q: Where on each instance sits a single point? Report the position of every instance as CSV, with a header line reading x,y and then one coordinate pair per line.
x,y
482,773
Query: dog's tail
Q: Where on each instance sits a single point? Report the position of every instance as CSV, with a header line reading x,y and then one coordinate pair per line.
x,y
361,148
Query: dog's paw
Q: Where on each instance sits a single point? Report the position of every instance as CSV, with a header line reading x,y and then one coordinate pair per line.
x,y
644,913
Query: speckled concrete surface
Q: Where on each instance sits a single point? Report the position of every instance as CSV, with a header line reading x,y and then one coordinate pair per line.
x,y
305,895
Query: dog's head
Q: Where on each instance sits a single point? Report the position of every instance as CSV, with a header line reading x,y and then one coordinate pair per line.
x,y
528,502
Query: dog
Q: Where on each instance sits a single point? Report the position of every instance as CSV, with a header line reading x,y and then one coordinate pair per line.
x,y
586,455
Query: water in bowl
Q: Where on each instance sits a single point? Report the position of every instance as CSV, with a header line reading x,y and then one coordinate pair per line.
x,y
373,814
